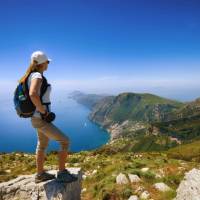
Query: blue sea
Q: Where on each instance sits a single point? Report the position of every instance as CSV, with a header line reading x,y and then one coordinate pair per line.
x,y
17,134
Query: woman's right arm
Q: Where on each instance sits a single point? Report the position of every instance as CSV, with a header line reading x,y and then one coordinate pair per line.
x,y
33,93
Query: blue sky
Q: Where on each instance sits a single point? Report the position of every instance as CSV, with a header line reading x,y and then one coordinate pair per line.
x,y
105,46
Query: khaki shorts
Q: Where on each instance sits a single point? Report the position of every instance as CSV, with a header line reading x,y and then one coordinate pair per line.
x,y
46,131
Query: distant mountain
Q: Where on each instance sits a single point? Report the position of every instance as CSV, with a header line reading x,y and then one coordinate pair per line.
x,y
88,100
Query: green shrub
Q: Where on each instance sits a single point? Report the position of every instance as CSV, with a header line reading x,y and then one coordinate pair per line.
x,y
148,175
127,192
74,160
173,179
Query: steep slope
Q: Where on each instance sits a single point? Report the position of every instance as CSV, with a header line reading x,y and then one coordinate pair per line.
x,y
183,123
189,109
132,106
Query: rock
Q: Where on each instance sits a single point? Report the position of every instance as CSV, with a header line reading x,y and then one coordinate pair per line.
x,y
133,197
139,190
84,176
145,195
76,164
189,188
23,187
160,173
121,179
145,169
158,176
94,171
162,187
84,190
134,178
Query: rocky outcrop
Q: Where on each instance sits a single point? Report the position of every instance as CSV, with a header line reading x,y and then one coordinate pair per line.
x,y
189,188
162,187
121,179
24,187
134,178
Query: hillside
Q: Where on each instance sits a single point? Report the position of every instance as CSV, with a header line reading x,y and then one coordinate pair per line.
x,y
127,113
183,123
189,109
133,106
185,128
188,151
130,112
102,171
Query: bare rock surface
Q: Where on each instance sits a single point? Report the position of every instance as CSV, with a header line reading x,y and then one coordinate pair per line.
x,y
24,187
162,187
121,179
189,188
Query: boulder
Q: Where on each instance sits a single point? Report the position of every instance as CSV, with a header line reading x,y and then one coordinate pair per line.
x,y
133,197
24,187
189,188
145,169
134,178
162,187
145,195
121,179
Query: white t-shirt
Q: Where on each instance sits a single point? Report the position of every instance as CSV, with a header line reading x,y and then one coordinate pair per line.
x,y
46,96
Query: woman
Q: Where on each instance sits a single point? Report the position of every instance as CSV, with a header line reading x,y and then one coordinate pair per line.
x,y
42,120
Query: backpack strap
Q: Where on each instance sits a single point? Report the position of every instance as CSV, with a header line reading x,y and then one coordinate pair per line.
x,y
43,88
25,87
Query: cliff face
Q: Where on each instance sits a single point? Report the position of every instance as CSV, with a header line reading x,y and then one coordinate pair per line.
x,y
111,112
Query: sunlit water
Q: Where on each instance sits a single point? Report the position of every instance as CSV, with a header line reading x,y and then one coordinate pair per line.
x,y
17,134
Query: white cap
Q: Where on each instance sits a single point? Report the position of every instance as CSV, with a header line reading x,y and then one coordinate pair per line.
x,y
39,56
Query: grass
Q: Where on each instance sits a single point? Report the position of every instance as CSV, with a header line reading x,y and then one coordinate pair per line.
x,y
188,152
102,184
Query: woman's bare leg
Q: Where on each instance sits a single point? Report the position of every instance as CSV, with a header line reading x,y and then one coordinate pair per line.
x,y
62,155
40,158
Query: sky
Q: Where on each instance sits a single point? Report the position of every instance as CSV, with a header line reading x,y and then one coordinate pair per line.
x,y
105,46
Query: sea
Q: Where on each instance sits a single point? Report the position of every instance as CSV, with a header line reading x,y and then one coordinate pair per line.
x,y
18,135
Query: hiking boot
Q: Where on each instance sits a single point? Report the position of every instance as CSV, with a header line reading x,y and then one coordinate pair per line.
x,y
65,176
44,176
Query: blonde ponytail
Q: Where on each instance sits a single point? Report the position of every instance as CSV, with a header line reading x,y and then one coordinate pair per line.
x,y
32,67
